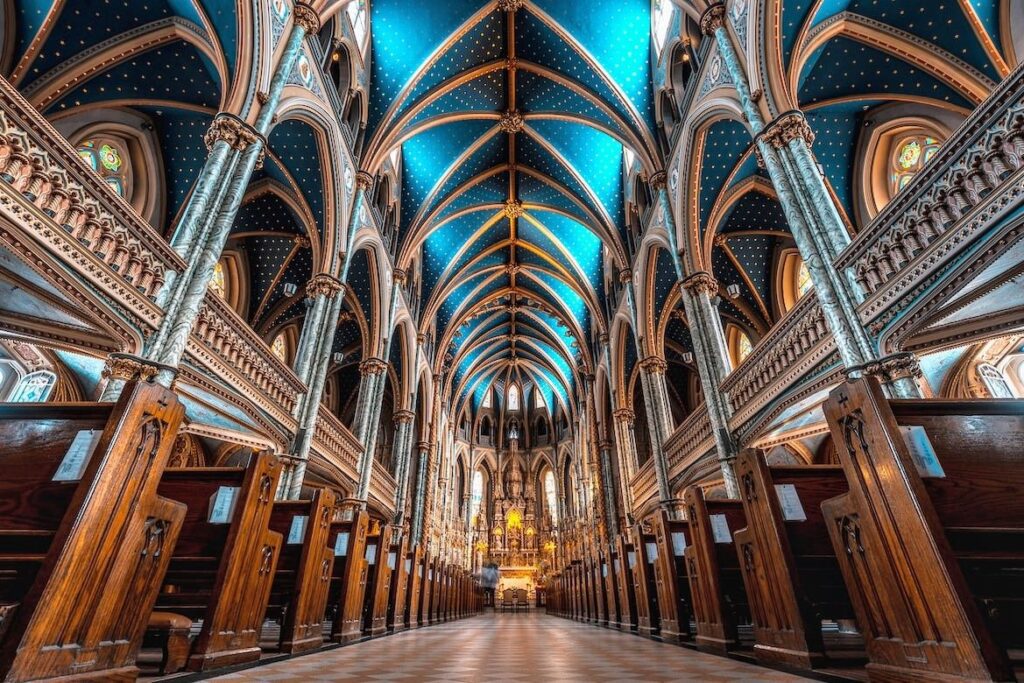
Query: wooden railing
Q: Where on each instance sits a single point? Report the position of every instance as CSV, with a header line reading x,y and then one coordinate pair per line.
x,y
644,486
336,445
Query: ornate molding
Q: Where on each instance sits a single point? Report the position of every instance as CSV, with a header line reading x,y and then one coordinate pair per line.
x,y
128,367
307,17
712,19
785,128
653,365
701,282
364,181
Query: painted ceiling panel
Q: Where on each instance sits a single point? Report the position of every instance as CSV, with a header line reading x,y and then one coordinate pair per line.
x,y
724,144
180,135
295,142
836,129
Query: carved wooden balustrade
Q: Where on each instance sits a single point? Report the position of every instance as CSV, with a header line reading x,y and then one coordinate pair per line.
x,y
644,486
690,440
335,445
382,488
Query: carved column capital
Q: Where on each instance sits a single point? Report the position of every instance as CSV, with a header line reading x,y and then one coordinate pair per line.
x,y
891,368
712,19
425,447
786,128
126,367
364,181
624,415
232,130
399,276
372,366
653,365
403,417
625,275
658,181
323,285
602,338
306,17
701,282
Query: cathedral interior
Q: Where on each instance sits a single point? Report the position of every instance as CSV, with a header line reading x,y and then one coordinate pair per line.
x,y
553,340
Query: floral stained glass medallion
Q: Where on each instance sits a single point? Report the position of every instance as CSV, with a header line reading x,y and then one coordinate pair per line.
x,y
909,156
107,158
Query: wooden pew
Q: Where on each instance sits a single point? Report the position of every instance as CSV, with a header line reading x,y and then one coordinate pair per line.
x,y
84,537
713,567
577,591
644,586
611,590
594,582
790,571
302,578
397,558
378,581
226,551
627,592
414,563
427,592
933,563
598,568
670,576
347,536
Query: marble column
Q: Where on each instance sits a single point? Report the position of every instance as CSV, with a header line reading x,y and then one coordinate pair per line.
x,y
608,485
373,374
331,293
625,442
659,420
713,366
420,501
404,421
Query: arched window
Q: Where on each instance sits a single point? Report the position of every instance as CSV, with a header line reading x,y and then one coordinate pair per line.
x,y
485,427
662,18
908,156
218,281
739,343
513,397
995,380
744,347
487,402
476,496
549,495
109,158
34,387
803,279
279,347
538,398
356,11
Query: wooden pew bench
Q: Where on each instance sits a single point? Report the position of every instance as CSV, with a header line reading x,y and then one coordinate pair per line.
x,y
84,536
347,539
623,567
378,582
790,570
298,596
645,585
931,534
223,565
670,577
396,618
720,605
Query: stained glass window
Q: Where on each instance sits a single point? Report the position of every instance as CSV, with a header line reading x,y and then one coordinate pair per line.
x,y
538,398
909,156
743,346
513,397
549,495
662,22
996,381
803,280
34,387
357,15
218,283
280,348
487,399
107,158
476,496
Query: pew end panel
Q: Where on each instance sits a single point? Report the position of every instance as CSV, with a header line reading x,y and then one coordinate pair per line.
x,y
82,557
348,577
673,588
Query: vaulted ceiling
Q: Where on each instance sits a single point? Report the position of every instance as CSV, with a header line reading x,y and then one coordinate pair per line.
x,y
512,125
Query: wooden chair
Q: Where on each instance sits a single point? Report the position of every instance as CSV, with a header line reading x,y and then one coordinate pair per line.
x,y
521,600
347,537
716,579
508,600
933,562
302,577
790,570
84,536
672,583
223,566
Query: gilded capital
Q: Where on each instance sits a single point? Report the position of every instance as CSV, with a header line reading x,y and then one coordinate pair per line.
x,y
364,181
625,275
232,130
701,282
403,417
892,368
659,181
399,276
323,285
511,122
653,364
306,17
624,415
713,19
788,127
372,366
126,367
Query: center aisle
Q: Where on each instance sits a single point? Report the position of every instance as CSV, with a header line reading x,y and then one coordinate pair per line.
x,y
510,647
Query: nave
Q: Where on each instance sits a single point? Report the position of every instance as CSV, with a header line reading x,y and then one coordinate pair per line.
x,y
525,646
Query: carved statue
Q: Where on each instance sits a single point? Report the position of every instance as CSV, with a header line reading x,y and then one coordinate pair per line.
x,y
515,481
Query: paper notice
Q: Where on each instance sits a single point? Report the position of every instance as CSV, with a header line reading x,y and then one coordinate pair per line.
x,y
75,460
222,505
789,501
720,529
922,451
678,543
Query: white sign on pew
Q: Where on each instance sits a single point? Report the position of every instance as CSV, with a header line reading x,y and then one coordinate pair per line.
x,y
408,566
922,451
371,554
789,501
341,544
297,532
720,529
392,561
222,505
652,552
678,543
79,452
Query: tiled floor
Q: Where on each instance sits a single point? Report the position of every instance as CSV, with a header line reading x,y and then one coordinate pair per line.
x,y
531,647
